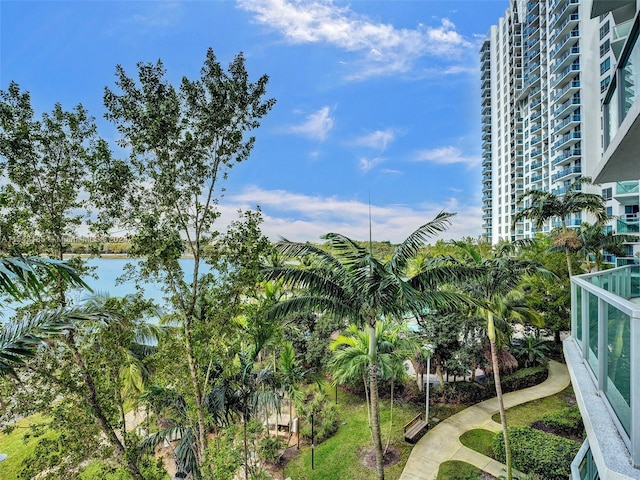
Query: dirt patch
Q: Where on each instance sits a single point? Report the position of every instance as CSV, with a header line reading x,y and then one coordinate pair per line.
x,y
368,456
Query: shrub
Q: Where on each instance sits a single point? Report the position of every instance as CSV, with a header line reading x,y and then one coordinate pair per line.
x,y
537,452
566,422
269,448
474,392
325,415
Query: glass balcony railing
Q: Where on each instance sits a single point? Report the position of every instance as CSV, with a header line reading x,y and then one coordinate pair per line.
x,y
619,101
627,225
605,318
623,188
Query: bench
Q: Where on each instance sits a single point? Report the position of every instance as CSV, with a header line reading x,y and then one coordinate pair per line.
x,y
415,429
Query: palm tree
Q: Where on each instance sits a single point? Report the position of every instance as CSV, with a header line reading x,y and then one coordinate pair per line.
x,y
502,273
352,284
291,375
21,278
547,205
350,360
594,240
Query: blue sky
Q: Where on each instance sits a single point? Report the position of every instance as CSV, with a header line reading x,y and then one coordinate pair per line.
x,y
377,101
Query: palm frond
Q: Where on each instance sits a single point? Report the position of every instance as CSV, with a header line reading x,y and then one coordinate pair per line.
x,y
410,247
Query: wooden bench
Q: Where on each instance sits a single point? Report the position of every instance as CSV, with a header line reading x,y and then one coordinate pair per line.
x,y
415,429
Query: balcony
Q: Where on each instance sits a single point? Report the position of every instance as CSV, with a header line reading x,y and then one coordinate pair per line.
x,y
567,156
567,124
563,42
628,224
566,139
535,165
566,91
629,187
566,58
570,70
535,178
568,22
602,356
561,109
535,153
567,172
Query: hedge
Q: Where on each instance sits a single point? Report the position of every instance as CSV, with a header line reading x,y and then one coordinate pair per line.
x,y
566,422
537,452
474,392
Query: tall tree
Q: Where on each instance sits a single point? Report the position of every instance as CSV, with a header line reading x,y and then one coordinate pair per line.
x,y
544,206
183,142
351,283
49,165
84,367
595,239
502,273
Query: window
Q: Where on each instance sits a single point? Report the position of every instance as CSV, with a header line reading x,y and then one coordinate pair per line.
x,y
605,47
605,83
604,29
604,66
609,211
607,193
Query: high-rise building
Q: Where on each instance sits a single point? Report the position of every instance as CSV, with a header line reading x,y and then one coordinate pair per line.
x,y
545,68
577,82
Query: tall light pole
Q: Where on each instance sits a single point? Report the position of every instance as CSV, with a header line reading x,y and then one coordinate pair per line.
x,y
428,348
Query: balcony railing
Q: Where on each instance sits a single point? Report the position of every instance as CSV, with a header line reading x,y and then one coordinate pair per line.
x,y
567,87
605,326
623,188
564,155
628,76
627,225
565,122
566,172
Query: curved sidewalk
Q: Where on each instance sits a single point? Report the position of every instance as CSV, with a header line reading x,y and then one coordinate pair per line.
x,y
442,442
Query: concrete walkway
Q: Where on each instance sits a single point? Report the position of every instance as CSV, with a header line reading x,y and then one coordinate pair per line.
x,y
442,442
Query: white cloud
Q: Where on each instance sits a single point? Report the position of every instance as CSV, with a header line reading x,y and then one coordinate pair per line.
x,y
316,125
367,164
445,156
303,217
382,49
378,140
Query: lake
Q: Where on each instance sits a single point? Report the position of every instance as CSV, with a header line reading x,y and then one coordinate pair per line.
x,y
108,270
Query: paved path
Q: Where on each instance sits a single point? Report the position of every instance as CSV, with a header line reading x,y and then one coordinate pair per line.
x,y
442,442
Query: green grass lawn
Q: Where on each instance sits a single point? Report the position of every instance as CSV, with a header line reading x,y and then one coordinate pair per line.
x,y
17,448
457,470
479,440
340,457
530,412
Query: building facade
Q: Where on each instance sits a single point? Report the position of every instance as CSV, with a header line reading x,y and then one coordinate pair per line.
x,y
545,68
603,351
576,112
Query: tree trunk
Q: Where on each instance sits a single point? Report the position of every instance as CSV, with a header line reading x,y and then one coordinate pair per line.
x,y
375,408
202,432
386,447
246,449
496,377
92,400
567,254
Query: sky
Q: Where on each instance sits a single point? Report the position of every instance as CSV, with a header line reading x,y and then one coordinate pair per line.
x,y
378,102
